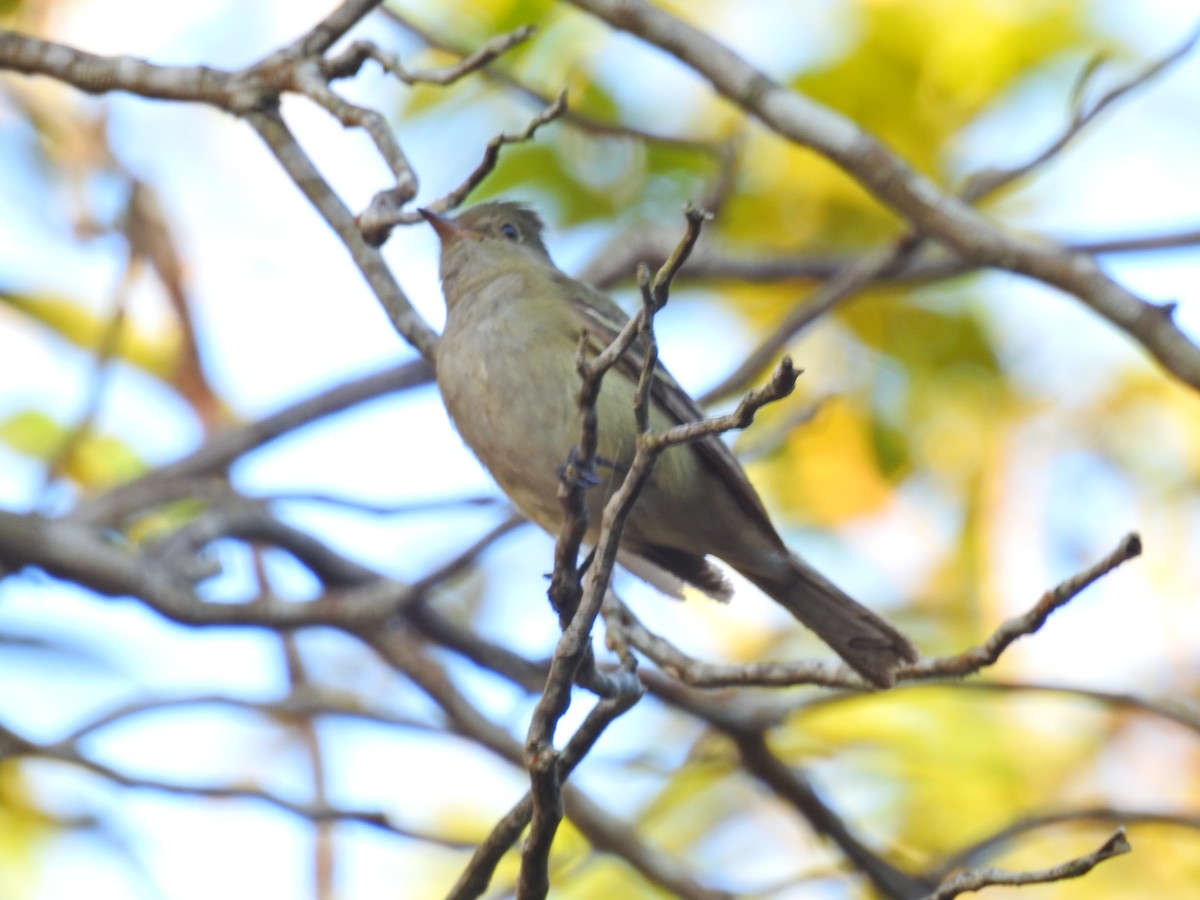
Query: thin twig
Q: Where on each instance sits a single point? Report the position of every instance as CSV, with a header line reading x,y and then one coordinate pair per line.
x,y
986,654
578,609
853,277
930,211
349,61
790,785
313,82
576,117
386,208
977,879
313,812
383,214
1125,816
308,701
835,674
991,180
175,481
605,832
491,154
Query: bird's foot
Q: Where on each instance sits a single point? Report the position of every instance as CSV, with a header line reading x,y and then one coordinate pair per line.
x,y
587,474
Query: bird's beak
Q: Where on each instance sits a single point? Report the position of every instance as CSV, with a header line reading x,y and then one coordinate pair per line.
x,y
447,229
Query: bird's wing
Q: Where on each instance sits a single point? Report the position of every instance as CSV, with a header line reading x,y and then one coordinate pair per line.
x,y
604,319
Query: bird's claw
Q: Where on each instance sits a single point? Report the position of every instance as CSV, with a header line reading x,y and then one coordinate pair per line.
x,y
580,474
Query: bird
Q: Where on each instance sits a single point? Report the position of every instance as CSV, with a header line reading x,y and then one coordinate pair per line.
x,y
506,371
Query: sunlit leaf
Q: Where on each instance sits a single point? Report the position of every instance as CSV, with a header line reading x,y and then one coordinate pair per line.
x,y
828,470
75,323
93,461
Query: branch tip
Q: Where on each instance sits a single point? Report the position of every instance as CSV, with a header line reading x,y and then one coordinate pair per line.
x,y
1131,545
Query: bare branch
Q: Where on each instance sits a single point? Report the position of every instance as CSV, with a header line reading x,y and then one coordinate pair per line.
x,y
329,30
350,61
577,118
460,638
367,507
739,718
383,214
782,383
610,835
792,787
313,82
278,137
546,804
254,94
835,674
991,180
578,610
365,605
978,879
895,183
845,282
697,673
150,237
870,268
309,701
313,812
985,655
312,78
102,74
77,553
661,285
468,555
929,263
1179,711
176,480
491,155
1126,817
603,831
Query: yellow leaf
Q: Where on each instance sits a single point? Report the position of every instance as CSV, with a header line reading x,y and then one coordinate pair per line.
x,y
829,471
153,353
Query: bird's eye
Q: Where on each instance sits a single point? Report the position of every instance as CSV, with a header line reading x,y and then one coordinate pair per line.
x,y
509,230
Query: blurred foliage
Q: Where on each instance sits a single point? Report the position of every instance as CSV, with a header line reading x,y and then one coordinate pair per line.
x,y
921,70
93,461
934,411
74,322
25,830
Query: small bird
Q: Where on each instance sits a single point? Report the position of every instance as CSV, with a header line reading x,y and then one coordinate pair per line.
x,y
506,371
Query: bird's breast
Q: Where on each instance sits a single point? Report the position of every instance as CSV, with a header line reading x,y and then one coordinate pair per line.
x,y
507,377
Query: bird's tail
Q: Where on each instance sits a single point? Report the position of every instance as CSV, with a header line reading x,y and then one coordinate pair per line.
x,y
870,645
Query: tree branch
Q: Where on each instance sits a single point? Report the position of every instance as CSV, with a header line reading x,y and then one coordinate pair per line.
x,y
792,787
176,481
982,848
836,674
977,879
890,179
970,661
13,745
